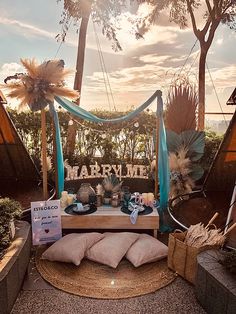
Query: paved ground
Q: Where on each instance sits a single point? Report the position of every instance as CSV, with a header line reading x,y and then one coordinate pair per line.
x,y
38,297
177,298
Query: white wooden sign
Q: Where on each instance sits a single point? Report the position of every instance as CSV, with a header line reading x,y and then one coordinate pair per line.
x,y
46,221
96,171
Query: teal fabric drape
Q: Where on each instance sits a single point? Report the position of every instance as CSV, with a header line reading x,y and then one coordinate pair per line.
x,y
60,161
163,165
85,115
163,168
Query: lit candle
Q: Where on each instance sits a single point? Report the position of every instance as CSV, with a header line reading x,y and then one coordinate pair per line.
x,y
145,198
70,199
150,198
64,194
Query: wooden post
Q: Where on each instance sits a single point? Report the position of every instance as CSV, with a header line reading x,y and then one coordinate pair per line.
x,y
44,155
156,168
55,159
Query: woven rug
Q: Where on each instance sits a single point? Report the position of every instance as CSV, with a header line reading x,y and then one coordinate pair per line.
x,y
94,280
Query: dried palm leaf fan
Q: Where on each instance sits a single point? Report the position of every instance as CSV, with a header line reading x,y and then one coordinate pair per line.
x,y
181,107
37,89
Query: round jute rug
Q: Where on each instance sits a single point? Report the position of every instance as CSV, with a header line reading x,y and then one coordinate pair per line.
x,y
94,280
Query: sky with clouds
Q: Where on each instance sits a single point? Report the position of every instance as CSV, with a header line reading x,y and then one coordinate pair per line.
x,y
28,29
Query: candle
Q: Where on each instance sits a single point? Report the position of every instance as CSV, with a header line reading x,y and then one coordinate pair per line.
x,y
63,199
145,198
150,198
70,199
64,194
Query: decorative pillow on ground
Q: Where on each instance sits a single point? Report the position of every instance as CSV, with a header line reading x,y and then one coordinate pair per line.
x,y
146,250
72,247
111,249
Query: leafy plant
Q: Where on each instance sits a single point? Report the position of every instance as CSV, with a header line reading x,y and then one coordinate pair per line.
x,y
9,210
229,261
212,143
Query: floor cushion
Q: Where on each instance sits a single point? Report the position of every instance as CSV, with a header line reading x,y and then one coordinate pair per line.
x,y
111,249
146,250
72,247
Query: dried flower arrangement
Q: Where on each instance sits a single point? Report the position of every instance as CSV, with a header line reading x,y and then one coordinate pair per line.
x,y
199,236
180,180
42,82
111,184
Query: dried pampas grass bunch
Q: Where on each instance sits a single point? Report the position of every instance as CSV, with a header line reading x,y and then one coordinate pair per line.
x,y
180,181
42,82
199,236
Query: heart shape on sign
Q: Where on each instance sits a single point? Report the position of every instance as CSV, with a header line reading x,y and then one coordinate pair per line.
x,y
46,230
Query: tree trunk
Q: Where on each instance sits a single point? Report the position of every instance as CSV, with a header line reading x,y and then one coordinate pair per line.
x,y
71,135
201,88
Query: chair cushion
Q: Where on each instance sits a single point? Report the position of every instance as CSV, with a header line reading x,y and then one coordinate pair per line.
x,y
72,247
146,250
111,249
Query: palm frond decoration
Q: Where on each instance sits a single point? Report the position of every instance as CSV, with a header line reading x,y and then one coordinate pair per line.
x,y
111,184
180,169
40,84
181,108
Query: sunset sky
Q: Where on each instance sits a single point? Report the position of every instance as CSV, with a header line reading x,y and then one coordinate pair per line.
x,y
28,29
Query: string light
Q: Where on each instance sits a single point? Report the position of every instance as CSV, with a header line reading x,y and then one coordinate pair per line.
x,y
120,127
86,132
103,136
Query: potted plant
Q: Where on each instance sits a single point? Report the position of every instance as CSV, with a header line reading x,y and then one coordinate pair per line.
x,y
10,210
14,252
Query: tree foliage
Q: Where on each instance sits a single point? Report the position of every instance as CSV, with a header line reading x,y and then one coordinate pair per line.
x,y
106,14
131,142
212,143
128,142
103,12
214,13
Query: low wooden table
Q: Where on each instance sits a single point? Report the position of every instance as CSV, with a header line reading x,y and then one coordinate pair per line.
x,y
107,217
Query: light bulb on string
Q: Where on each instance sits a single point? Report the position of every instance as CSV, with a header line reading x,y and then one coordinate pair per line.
x,y
86,132
103,136
71,122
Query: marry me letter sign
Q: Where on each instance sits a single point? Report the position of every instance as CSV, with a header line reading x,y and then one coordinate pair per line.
x,y
46,221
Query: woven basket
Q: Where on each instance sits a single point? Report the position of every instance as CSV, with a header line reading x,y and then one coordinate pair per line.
x,y
183,258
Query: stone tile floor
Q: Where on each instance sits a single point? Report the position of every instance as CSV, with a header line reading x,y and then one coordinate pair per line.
x,y
37,296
